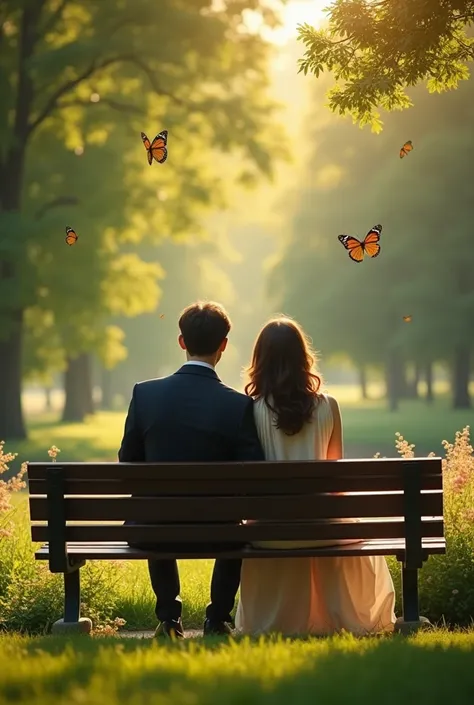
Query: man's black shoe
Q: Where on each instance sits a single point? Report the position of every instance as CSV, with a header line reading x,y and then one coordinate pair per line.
x,y
217,628
172,629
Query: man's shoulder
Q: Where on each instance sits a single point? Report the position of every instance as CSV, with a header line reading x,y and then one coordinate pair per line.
x,y
147,384
236,396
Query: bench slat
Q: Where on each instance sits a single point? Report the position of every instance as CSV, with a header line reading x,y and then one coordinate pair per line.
x,y
388,528
118,551
239,471
290,507
224,486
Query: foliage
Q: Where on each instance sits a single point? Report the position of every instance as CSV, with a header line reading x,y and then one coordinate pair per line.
x,y
446,582
7,487
376,50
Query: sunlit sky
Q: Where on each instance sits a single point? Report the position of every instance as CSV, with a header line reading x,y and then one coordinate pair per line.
x,y
294,13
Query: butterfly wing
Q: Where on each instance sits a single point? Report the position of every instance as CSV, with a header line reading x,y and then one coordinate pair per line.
x,y
407,319
147,144
407,147
71,237
158,147
354,246
371,241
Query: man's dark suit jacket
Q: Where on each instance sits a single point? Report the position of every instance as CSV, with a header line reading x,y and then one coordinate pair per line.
x,y
190,416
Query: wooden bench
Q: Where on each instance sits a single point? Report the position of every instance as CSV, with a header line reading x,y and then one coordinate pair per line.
x,y
398,504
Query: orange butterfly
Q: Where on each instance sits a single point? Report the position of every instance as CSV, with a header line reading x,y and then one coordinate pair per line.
x,y
408,319
369,245
157,149
71,237
407,147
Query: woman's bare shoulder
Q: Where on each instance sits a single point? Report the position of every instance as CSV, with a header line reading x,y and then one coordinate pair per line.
x,y
333,403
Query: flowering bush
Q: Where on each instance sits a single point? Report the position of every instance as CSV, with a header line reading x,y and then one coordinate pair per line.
x,y
7,487
447,581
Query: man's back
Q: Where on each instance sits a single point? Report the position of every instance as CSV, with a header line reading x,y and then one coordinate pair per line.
x,y
190,416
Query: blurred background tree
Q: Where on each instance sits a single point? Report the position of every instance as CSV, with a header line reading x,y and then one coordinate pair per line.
x,y
354,180
79,81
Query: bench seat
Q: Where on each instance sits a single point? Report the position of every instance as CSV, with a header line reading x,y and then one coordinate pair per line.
x,y
117,550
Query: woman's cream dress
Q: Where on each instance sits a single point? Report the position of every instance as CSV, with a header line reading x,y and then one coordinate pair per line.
x,y
311,595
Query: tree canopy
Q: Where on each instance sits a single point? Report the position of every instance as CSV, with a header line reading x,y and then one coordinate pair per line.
x,y
376,49
79,82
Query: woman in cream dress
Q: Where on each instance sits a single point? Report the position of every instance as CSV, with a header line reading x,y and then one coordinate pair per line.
x,y
294,422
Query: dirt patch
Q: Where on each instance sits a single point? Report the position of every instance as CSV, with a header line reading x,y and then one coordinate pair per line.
x,y
148,634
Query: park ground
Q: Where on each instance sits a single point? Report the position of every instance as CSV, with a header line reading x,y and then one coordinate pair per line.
x,y
369,428
428,669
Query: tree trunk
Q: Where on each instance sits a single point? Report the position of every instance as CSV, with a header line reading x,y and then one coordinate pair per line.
x,y
461,374
78,389
429,383
106,386
403,387
12,424
392,380
412,383
362,370
47,398
11,186
416,380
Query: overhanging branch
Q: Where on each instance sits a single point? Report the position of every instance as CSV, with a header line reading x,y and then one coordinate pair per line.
x,y
121,107
53,101
131,58
54,17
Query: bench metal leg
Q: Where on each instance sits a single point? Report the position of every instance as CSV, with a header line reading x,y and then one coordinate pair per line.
x,y
72,622
411,611
72,596
411,621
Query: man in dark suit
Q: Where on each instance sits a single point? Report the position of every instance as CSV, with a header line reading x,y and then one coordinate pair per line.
x,y
191,416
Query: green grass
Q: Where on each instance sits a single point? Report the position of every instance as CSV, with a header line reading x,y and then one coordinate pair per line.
x,y
123,587
368,428
429,669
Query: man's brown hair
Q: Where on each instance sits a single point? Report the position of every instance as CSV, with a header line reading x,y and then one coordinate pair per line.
x,y
204,325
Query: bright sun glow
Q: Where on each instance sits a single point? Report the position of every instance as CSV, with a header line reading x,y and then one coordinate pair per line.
x,y
294,13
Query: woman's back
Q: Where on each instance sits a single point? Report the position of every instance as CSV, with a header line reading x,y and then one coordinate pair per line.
x,y
311,443
310,595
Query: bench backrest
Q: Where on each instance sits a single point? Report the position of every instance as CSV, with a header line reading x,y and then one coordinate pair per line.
x,y
390,497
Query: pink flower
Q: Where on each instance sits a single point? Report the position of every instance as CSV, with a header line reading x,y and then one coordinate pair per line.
x,y
459,482
469,515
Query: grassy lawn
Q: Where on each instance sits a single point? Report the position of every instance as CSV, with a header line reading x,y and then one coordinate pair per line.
x,y
368,427
429,669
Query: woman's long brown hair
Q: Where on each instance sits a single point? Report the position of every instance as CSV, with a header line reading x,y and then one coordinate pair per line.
x,y
281,373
